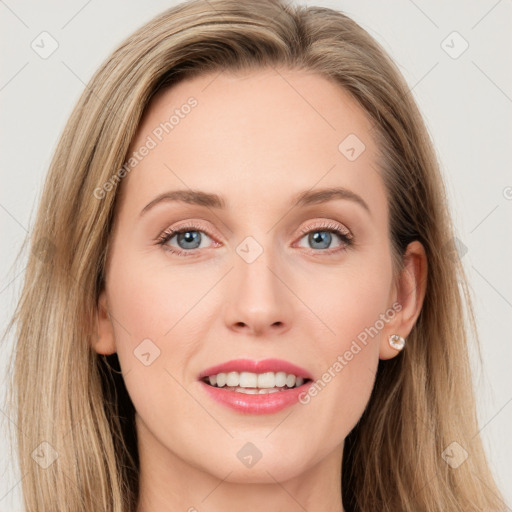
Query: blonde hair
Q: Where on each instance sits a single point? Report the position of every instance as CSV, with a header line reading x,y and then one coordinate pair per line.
x,y
62,392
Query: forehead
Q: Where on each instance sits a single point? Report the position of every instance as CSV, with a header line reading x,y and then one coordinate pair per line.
x,y
294,102
254,133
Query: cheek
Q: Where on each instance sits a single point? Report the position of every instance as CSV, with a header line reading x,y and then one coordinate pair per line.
x,y
150,301
151,311
350,300
354,305
153,339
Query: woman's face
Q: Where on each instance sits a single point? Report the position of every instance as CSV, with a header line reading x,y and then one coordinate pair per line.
x,y
267,267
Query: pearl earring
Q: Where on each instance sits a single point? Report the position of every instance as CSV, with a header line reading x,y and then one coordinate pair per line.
x,y
397,342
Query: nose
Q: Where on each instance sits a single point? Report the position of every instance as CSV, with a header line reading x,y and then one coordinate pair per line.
x,y
260,302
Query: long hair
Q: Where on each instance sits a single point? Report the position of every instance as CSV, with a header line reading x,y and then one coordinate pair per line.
x,y
64,396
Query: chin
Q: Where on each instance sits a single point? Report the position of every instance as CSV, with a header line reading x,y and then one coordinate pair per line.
x,y
246,463
264,473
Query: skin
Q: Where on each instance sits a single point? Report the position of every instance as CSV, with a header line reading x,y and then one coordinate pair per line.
x,y
257,139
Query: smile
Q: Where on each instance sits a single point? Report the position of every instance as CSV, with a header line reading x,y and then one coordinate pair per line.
x,y
255,387
255,383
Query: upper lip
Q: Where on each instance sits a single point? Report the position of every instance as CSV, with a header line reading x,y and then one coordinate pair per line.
x,y
249,365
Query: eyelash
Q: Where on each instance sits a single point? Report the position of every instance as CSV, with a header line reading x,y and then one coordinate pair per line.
x,y
346,238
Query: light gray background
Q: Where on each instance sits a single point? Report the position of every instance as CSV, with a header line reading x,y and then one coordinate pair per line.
x,y
466,102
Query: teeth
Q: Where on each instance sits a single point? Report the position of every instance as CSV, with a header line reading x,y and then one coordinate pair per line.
x,y
280,379
221,380
248,380
246,391
290,380
254,391
254,383
266,380
233,379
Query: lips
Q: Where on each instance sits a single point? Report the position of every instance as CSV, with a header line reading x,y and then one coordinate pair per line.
x,y
248,365
255,387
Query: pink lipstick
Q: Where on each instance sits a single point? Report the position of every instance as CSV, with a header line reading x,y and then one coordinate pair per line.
x,y
255,387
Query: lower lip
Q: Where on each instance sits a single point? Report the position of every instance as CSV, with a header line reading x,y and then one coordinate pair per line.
x,y
256,404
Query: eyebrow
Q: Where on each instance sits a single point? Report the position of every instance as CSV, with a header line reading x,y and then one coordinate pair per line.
x,y
210,200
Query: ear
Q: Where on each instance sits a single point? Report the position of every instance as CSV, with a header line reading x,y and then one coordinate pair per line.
x,y
409,291
104,342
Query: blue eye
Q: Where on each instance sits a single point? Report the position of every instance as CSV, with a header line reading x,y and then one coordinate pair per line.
x,y
323,236
189,238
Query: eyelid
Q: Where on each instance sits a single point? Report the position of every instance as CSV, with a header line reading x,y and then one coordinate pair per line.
x,y
340,230
324,224
183,227
328,225
318,225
